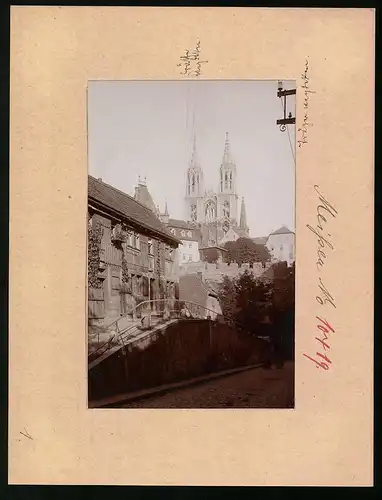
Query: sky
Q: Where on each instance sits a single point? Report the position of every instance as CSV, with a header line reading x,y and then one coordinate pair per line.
x,y
145,128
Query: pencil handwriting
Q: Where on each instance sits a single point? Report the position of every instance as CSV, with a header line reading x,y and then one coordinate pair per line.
x,y
190,62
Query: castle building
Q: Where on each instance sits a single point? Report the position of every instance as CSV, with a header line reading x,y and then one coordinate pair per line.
x,y
281,245
216,211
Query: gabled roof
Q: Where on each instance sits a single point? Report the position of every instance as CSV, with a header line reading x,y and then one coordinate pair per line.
x,y
126,206
143,196
282,230
241,232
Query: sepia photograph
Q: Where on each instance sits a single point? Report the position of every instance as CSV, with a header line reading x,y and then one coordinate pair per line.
x,y
191,244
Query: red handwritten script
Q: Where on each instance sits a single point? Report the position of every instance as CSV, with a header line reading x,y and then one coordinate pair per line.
x,y
325,329
325,212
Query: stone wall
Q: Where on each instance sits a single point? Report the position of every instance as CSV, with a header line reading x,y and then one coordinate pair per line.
x,y
216,272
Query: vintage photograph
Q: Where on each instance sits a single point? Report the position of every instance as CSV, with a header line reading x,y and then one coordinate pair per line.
x,y
191,244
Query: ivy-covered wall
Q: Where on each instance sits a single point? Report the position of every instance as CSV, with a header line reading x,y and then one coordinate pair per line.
x,y
95,234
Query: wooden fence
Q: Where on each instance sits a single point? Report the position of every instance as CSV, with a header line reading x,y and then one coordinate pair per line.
x,y
185,350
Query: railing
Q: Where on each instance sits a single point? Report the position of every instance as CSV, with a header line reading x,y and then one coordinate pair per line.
x,y
101,350
168,309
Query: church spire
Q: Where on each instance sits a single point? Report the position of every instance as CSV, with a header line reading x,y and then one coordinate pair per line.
x,y
227,158
194,182
243,217
165,208
194,162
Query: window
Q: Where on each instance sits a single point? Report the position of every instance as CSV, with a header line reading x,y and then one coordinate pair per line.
x,y
190,245
184,256
226,210
190,258
281,248
210,211
150,246
129,238
136,241
193,213
115,285
151,263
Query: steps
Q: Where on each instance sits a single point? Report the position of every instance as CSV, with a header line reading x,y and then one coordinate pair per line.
x,y
133,332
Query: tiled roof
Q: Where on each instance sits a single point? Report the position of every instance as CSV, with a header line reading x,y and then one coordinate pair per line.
x,y
181,224
127,206
282,230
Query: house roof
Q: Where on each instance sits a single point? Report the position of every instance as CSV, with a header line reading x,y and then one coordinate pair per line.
x,y
191,288
194,289
126,206
143,196
282,230
181,224
241,232
260,240
214,246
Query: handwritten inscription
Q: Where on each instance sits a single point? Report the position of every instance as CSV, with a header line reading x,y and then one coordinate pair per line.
x,y
324,214
190,62
304,128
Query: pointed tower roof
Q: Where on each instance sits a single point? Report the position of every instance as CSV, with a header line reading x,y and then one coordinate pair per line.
x,y
194,161
143,196
243,216
165,208
227,157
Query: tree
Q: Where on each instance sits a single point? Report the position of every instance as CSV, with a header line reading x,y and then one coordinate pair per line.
x,y
230,255
253,301
283,309
263,307
227,298
284,286
211,255
245,250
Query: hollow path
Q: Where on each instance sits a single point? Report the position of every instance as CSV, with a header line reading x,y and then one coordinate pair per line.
x,y
256,388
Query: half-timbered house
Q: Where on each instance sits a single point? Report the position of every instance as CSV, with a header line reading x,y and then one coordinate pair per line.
x,y
131,254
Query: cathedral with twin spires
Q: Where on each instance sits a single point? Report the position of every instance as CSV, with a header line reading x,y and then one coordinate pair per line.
x,y
216,210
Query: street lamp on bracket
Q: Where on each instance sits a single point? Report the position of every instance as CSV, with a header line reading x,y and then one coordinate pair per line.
x,y
286,120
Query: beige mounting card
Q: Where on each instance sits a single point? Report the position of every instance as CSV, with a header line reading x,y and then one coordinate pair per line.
x,y
53,438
